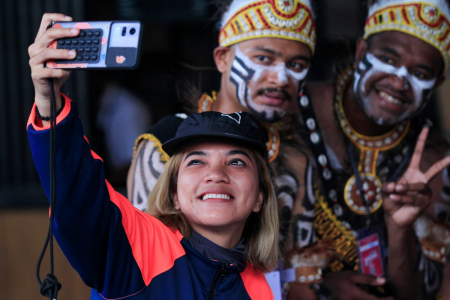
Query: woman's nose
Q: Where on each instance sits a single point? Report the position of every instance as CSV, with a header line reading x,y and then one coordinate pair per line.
x,y
217,173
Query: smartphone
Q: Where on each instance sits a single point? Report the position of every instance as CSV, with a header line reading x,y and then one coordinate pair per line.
x,y
100,44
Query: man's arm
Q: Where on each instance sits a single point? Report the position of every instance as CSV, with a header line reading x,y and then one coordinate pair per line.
x,y
341,285
403,275
403,202
148,163
149,160
445,288
296,213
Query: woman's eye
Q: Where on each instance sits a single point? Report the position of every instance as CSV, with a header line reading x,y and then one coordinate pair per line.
x,y
195,162
237,162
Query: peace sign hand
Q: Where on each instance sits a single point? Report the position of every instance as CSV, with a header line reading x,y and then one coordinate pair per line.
x,y
406,199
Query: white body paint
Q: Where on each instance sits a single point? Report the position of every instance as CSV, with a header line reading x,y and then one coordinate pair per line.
x,y
244,92
310,236
418,85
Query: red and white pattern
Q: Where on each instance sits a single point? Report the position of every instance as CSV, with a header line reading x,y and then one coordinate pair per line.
x,y
428,20
286,19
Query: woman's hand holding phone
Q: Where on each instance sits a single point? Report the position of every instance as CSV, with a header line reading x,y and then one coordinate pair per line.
x,y
40,53
62,45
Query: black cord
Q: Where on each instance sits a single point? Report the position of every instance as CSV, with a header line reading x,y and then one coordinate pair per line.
x,y
50,286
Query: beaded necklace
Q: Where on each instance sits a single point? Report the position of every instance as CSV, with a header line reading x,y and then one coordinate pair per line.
x,y
370,147
334,218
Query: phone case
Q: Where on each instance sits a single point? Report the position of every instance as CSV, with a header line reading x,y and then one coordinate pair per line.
x,y
100,44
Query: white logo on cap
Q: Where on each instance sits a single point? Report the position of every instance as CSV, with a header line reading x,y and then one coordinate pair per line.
x,y
236,113
182,116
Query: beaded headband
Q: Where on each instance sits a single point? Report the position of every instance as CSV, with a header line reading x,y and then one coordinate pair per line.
x,y
427,20
251,19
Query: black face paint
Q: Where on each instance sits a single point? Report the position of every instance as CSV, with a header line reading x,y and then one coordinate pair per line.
x,y
244,71
370,66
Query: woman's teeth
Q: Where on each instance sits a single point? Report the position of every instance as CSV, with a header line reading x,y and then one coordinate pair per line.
x,y
216,196
389,98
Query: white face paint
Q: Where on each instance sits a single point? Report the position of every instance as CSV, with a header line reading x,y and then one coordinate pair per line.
x,y
244,71
374,66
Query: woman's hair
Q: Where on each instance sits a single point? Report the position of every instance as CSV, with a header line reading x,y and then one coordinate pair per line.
x,y
261,228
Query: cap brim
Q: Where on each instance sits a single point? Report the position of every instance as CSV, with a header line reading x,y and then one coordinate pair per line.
x,y
172,145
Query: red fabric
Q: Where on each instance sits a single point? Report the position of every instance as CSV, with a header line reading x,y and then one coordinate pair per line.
x,y
252,281
143,231
37,123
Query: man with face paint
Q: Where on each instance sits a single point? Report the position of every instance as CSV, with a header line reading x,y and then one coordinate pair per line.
x,y
377,175
245,75
264,53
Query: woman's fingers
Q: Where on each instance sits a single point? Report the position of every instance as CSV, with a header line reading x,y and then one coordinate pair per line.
x,y
40,53
51,73
37,61
46,20
49,36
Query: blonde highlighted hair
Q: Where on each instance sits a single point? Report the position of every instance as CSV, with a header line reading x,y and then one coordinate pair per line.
x,y
261,229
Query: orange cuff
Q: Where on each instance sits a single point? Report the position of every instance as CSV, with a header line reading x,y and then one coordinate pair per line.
x,y
37,123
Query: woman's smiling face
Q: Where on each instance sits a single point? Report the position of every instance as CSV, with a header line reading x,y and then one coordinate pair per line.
x,y
217,186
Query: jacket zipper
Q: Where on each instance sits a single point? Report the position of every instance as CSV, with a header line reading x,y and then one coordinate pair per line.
x,y
220,273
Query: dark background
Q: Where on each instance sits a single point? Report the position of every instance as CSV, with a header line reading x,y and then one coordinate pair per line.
x,y
178,40
177,34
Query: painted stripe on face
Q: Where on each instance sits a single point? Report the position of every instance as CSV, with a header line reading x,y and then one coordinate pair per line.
x,y
422,84
244,71
240,68
283,72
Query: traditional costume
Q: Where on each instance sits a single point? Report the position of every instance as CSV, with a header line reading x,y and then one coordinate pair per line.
x,y
339,210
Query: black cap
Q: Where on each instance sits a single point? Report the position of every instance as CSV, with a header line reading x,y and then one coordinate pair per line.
x,y
239,126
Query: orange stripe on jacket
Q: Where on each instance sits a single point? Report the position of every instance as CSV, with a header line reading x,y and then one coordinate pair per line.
x,y
37,124
256,284
94,155
155,246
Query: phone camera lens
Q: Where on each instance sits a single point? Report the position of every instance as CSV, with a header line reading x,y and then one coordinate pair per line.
x,y
132,31
124,31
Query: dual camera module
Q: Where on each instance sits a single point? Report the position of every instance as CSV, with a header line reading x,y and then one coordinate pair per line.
x,y
124,31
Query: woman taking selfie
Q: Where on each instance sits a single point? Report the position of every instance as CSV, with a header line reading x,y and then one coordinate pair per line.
x,y
212,229
215,230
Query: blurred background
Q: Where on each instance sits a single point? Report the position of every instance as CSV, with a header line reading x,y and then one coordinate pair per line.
x,y
116,106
